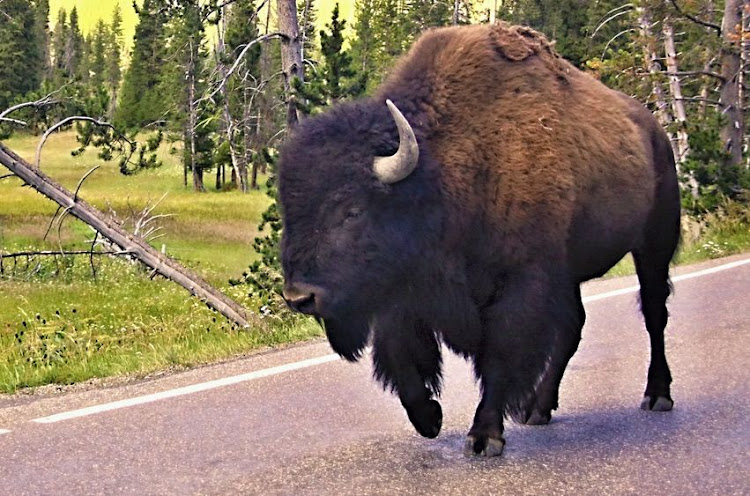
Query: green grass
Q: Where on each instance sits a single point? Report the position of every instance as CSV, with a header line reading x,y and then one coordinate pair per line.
x,y
68,328
58,325
211,232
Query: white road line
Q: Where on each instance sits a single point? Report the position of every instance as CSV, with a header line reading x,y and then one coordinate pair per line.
x,y
195,388
4,431
683,277
227,381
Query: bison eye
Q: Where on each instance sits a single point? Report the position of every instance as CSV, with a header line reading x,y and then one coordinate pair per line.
x,y
353,213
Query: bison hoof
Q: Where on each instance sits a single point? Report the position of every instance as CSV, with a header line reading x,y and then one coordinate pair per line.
x,y
658,404
427,418
538,418
534,416
483,446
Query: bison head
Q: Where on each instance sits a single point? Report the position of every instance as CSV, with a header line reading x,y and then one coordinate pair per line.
x,y
361,209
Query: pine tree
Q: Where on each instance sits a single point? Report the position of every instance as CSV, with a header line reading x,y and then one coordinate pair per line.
x,y
141,102
241,115
59,37
21,65
43,38
97,57
336,70
74,46
182,84
114,59
308,18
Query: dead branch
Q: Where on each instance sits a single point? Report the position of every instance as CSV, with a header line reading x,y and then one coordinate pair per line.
x,y
49,253
612,17
68,120
707,24
236,64
135,246
42,102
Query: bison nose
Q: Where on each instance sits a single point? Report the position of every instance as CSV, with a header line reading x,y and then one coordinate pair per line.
x,y
302,297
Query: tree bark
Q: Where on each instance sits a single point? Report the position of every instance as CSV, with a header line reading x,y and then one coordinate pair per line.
x,y
679,143
134,246
231,124
732,132
678,105
291,55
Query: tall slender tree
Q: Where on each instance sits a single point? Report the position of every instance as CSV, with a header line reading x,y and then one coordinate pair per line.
x,y
21,66
140,100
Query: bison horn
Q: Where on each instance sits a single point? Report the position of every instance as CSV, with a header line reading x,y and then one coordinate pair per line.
x,y
396,167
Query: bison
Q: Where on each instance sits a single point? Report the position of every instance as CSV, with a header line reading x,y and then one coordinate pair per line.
x,y
464,203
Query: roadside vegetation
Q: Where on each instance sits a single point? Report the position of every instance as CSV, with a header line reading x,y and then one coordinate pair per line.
x,y
59,324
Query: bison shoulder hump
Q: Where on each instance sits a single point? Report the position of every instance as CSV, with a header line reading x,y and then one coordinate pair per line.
x,y
517,43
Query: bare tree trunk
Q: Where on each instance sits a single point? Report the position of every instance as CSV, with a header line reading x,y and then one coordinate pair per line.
x,y
653,67
678,105
136,247
193,121
231,126
733,132
665,118
249,125
291,55
456,9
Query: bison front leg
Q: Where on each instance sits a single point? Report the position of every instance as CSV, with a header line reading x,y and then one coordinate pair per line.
x,y
518,336
407,360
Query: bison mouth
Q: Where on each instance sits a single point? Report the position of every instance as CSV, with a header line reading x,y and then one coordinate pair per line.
x,y
347,328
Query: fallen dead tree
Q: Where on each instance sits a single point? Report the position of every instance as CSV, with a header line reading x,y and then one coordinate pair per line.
x,y
132,245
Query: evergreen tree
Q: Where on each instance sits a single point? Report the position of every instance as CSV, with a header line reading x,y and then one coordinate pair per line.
x,y
423,14
59,37
383,31
141,102
308,18
21,65
73,46
43,38
97,58
114,59
364,42
336,70
242,106
182,84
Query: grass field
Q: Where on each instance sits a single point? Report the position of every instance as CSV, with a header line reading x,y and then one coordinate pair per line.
x,y
59,325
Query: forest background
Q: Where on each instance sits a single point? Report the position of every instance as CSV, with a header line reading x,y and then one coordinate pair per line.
x,y
182,104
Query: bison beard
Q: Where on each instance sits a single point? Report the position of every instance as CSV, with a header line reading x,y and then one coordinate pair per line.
x,y
464,204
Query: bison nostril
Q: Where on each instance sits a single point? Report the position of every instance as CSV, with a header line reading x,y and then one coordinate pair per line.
x,y
303,303
303,297
301,300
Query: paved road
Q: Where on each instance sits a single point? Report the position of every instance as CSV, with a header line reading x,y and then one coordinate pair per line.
x,y
323,427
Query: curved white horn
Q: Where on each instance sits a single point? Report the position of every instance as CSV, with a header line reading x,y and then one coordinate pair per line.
x,y
396,167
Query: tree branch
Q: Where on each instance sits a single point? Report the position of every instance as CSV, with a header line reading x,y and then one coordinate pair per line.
x,y
73,119
237,63
44,101
707,24
50,253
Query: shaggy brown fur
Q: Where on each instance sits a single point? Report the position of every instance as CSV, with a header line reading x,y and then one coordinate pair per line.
x,y
539,146
532,178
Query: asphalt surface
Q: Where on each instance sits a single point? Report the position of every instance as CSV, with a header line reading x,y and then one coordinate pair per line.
x,y
327,428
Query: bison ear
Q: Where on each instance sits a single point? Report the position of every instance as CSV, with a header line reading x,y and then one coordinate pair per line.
x,y
397,167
